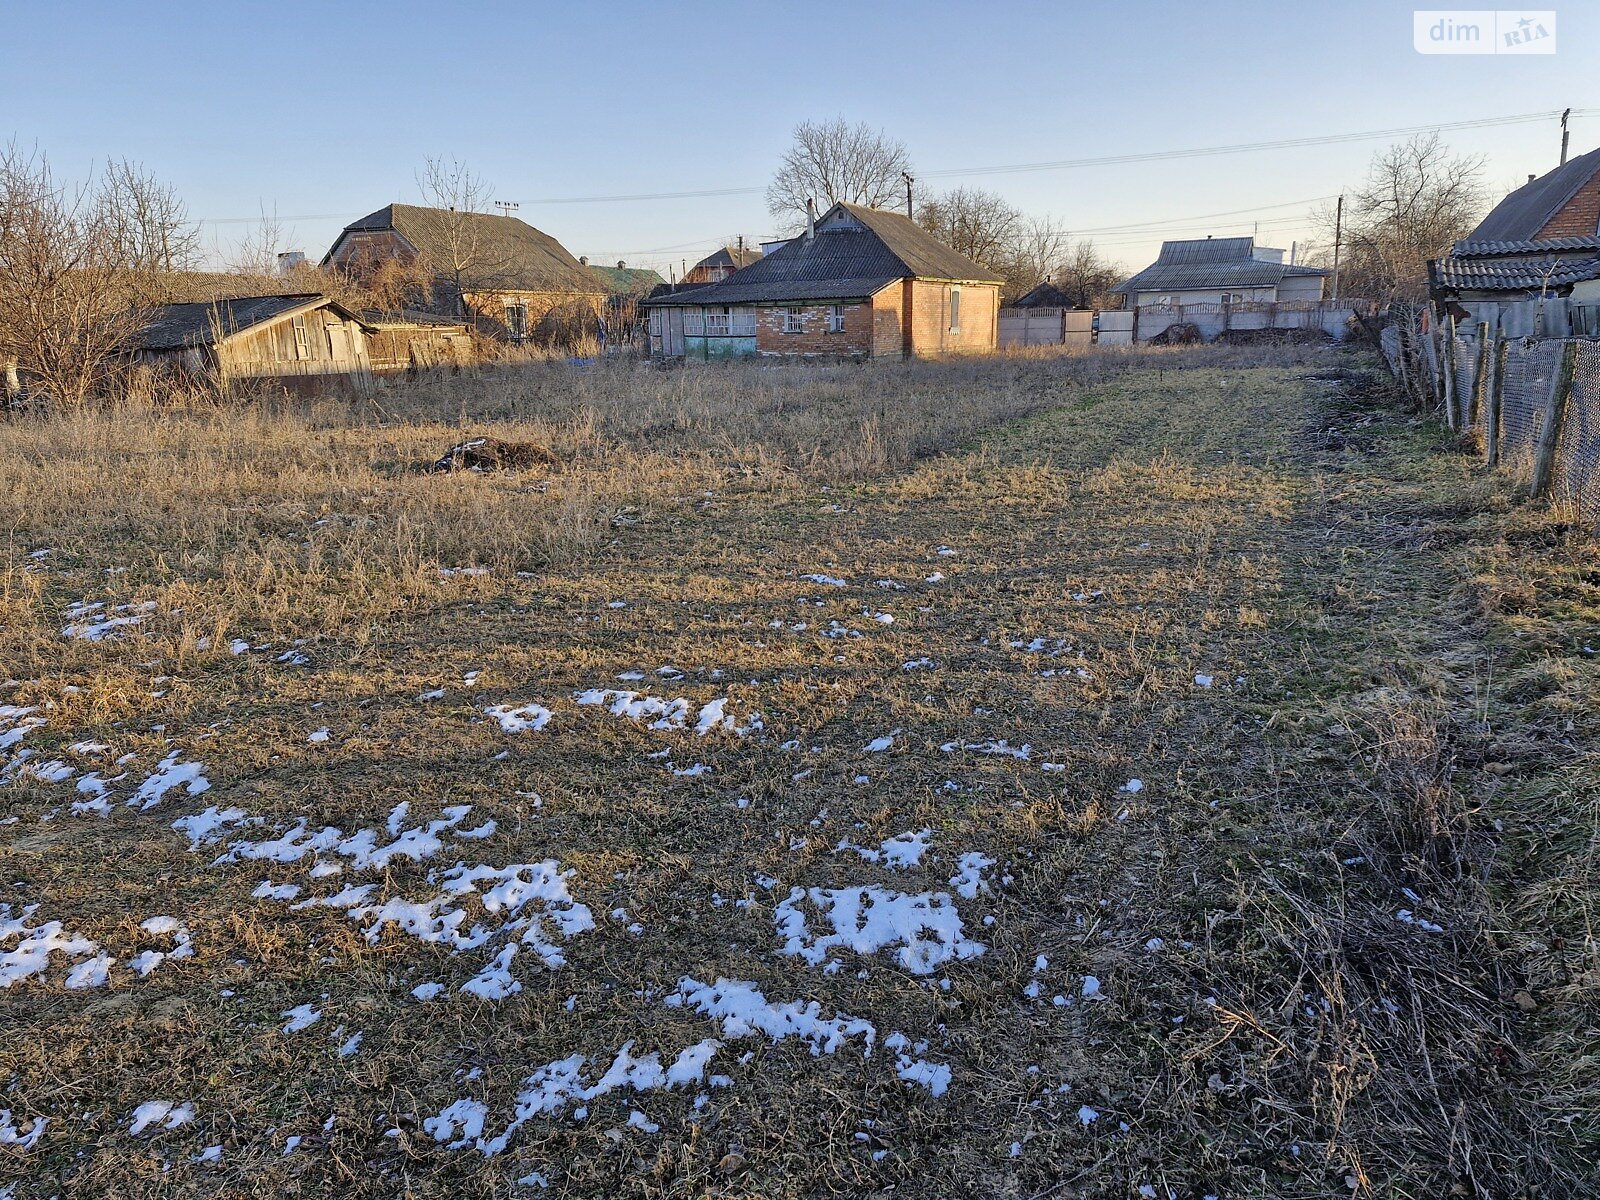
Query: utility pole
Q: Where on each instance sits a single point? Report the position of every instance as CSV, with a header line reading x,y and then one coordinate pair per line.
x,y
1565,133
906,175
1338,233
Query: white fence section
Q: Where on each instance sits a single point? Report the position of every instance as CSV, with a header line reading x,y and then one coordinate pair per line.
x,y
1214,320
1065,327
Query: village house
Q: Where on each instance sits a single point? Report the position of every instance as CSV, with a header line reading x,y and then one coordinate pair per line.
x,y
859,283
1220,271
1532,266
719,264
301,342
511,280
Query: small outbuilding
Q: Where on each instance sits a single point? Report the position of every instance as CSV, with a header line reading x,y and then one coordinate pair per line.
x,y
409,341
301,342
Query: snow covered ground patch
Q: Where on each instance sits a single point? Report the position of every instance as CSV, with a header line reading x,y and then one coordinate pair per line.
x,y
925,931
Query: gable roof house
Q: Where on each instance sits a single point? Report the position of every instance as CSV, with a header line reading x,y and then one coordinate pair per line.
x,y
506,276
1218,271
1532,266
302,342
859,283
719,264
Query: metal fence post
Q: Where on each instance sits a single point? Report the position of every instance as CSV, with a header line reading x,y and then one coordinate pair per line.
x,y
1554,415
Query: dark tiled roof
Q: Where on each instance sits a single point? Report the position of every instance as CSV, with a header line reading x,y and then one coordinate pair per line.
x,y
844,262
176,326
1522,214
1046,295
1540,246
1512,274
507,254
1210,263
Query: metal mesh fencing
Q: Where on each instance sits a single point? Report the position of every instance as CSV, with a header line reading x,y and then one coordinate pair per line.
x,y
1532,371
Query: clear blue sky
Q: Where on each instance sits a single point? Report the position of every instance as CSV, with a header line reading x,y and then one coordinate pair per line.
x,y
323,111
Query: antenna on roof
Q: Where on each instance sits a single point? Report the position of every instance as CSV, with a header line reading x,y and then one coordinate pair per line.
x,y
1565,133
507,207
907,176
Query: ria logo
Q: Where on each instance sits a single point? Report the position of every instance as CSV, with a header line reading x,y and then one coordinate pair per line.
x,y
1483,31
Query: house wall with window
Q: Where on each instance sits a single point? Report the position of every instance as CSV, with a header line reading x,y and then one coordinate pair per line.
x,y
946,318
516,316
320,342
815,330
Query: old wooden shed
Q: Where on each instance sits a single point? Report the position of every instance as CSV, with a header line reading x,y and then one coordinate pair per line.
x,y
303,342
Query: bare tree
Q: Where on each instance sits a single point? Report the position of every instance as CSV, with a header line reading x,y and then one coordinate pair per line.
x,y
1040,248
67,300
468,257
256,253
148,221
1416,200
982,225
833,160
1086,277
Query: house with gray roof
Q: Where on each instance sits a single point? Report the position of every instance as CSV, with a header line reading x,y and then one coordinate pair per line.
x,y
859,283
1220,271
1532,266
499,272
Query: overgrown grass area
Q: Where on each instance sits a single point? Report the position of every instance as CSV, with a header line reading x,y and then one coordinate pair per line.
x,y
1103,776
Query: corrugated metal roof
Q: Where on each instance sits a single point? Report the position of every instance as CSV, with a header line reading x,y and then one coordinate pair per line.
x,y
506,254
843,261
1205,263
1522,214
178,326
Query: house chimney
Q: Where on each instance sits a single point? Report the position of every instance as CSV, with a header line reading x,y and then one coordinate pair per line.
x,y
583,259
621,266
1531,177
811,218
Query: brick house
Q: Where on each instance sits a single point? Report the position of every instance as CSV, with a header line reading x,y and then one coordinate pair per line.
x,y
1532,266
513,281
719,264
859,283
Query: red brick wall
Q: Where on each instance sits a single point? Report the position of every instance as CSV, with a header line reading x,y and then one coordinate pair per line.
x,y
1580,216
930,318
888,321
814,339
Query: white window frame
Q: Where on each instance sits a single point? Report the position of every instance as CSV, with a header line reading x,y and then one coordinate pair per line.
x,y
793,321
835,318
955,310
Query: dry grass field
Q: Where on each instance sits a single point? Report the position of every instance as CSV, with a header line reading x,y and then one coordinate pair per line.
x,y
1126,775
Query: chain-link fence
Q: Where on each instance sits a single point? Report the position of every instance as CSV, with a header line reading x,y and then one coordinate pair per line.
x,y
1524,385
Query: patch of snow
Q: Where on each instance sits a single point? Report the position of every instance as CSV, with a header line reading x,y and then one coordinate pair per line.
x,y
526,718
926,928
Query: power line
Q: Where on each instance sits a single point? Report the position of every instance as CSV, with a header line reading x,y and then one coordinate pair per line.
x,y
1114,159
1247,147
1018,168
